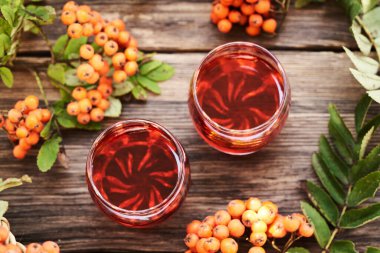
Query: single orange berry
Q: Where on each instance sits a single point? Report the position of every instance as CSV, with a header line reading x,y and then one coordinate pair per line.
x,y
306,230
291,223
270,25
22,132
265,214
273,207
4,234
253,204
192,227
249,217
224,26
50,247
247,9
131,54
105,90
214,18
86,51
118,60
83,118
79,93
95,96
300,217
256,250
262,6
259,226
236,228
234,16
277,229
97,62
34,248
14,115
112,32
88,30
9,126
253,30
31,102
119,24
105,69
212,245
199,248
104,104
258,239
123,39
105,80
204,230
37,113
229,245
21,106
85,71
68,17
101,39
221,232
73,108
83,16
110,48
237,3
39,128
70,6
220,10
119,76
133,42
131,68
210,220
191,240
75,30
46,115
222,217
32,122
256,20
85,105
93,79
97,28
19,152
236,208
33,138
24,144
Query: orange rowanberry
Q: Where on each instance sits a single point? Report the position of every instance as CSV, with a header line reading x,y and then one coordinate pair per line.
x,y
33,138
11,248
105,80
104,104
220,10
14,115
73,108
192,227
204,230
34,248
19,152
79,93
131,68
46,115
237,3
212,245
22,132
258,239
291,223
253,204
253,30
262,6
119,76
85,105
210,220
222,217
93,79
2,121
39,128
256,20
95,96
306,230
101,39
270,25
88,30
97,28
199,248
20,106
112,32
273,207
32,122
110,48
277,229
123,39
259,226
224,26
229,245
85,8
37,113
266,214
85,71
236,228
236,208
97,62
31,102
249,217
105,90
75,30
105,69
247,9
191,240
83,16
68,17
133,42
214,18
24,144
131,54
234,16
9,126
119,24
4,234
118,60
300,217
256,250
221,232
50,247
226,2
70,6
83,118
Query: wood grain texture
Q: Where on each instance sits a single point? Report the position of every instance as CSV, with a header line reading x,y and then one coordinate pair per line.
x,y
57,205
166,25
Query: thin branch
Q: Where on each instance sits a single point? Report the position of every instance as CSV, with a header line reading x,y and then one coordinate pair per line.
x,y
39,84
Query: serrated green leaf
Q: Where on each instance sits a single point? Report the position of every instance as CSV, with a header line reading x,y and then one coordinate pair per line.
x,y
114,110
148,67
368,81
361,110
372,22
367,165
363,42
139,93
57,72
363,63
60,44
364,189
355,218
368,5
8,14
297,250
375,95
336,166
71,78
373,250
73,46
148,84
324,202
322,231
42,15
6,76
3,207
121,89
366,139
351,7
47,131
163,73
48,153
329,182
343,247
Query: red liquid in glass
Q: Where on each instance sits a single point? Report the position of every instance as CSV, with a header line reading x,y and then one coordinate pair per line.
x,y
239,91
136,169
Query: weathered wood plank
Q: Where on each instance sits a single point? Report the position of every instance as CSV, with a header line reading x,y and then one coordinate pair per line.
x,y
163,25
57,205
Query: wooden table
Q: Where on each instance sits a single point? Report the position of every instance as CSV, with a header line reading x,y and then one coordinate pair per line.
x,y
57,205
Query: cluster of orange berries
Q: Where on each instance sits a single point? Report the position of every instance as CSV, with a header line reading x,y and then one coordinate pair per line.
x,y
254,14
215,233
5,247
24,124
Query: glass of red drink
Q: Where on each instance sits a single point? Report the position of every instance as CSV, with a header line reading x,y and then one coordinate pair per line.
x,y
239,98
137,173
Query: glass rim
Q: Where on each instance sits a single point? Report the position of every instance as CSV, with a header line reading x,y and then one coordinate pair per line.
x,y
152,210
257,128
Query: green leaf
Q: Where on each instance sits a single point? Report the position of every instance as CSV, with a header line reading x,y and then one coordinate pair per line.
x,y
367,165
57,72
60,44
114,110
148,84
8,14
343,247
120,89
5,27
375,95
364,189
332,186
71,122
13,182
363,63
73,46
374,122
47,131
71,78
324,202
48,153
139,93
6,76
322,231
148,67
41,15
358,217
361,111
365,141
368,5
351,7
363,42
368,81
337,167
372,22
373,250
297,250
162,73
3,207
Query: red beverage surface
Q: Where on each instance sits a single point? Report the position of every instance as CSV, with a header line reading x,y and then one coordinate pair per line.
x,y
135,169
239,91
